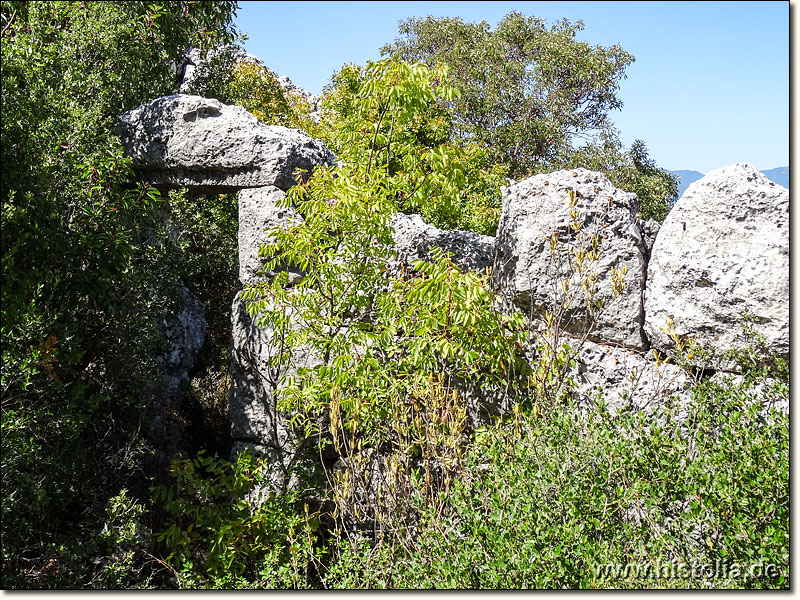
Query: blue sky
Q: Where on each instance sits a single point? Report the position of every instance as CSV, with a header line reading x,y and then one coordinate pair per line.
x,y
710,85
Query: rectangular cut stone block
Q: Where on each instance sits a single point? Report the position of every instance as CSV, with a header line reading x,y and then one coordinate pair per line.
x,y
260,210
200,143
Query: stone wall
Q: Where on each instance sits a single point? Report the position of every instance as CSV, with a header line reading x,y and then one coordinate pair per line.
x,y
565,241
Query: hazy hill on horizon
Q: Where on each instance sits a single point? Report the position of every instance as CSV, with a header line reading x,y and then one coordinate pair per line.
x,y
779,175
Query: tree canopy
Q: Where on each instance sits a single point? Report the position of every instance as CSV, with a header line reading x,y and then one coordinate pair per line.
x,y
536,98
526,89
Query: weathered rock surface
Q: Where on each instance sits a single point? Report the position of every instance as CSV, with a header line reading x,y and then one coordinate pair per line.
x,y
770,393
197,142
483,404
650,229
185,331
623,377
528,275
414,239
256,373
183,334
722,250
260,209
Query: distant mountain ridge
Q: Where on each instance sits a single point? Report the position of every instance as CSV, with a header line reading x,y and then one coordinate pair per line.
x,y
685,179
779,175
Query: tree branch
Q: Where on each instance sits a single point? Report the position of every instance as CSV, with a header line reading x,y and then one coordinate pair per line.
x,y
10,23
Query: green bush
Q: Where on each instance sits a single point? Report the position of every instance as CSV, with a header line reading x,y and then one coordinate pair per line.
x,y
85,273
573,500
394,116
221,529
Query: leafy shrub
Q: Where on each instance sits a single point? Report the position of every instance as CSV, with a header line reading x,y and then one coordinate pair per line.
x,y
84,281
122,542
393,115
257,90
220,531
601,500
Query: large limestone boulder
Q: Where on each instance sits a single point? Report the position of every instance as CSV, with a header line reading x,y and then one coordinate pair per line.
x,y
722,250
529,272
195,142
414,239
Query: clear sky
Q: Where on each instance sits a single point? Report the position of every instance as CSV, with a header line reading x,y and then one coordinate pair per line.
x,y
710,85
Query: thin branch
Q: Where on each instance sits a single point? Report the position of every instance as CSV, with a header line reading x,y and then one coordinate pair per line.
x,y
375,137
389,141
10,22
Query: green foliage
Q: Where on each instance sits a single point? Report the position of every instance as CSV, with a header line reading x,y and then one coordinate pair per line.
x,y
73,234
528,92
374,331
392,115
220,530
121,541
548,497
257,90
385,337
85,276
631,170
607,501
527,89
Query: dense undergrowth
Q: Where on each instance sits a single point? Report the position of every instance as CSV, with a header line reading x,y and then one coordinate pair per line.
x,y
557,499
547,496
598,501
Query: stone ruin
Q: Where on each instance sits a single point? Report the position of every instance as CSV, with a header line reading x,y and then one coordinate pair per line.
x,y
723,250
